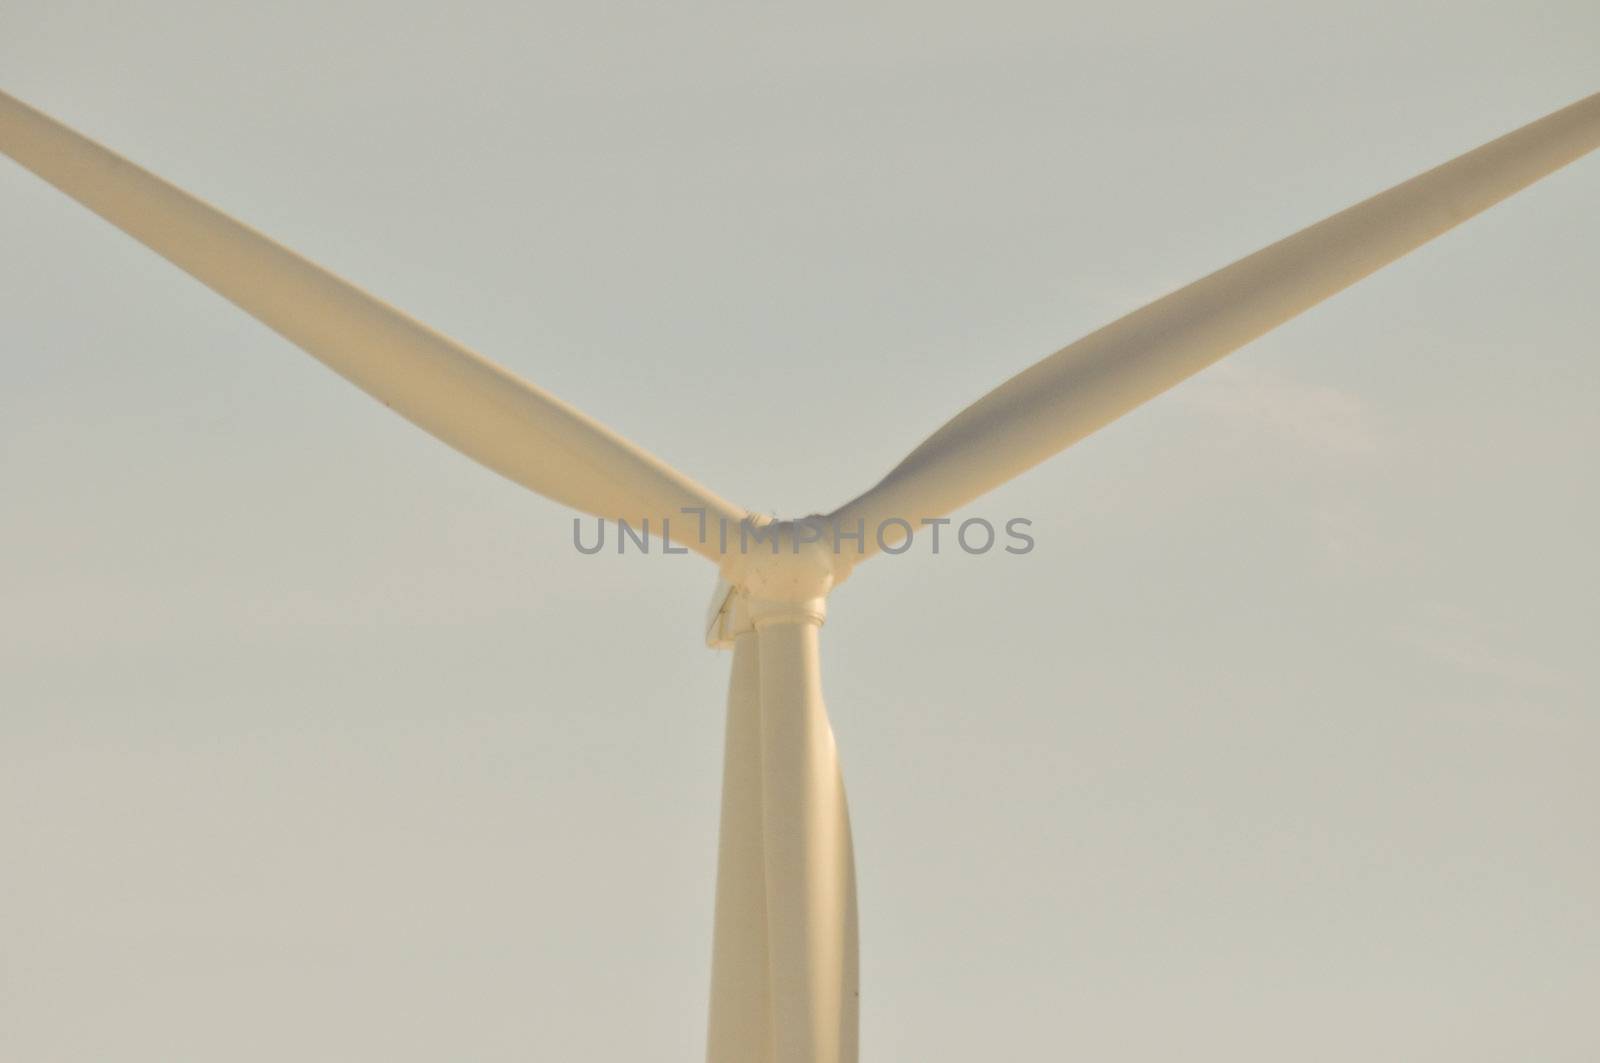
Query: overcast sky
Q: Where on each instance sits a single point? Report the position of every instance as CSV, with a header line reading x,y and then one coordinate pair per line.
x,y
319,742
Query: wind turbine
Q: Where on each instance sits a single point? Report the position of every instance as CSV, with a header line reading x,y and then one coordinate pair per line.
x,y
784,971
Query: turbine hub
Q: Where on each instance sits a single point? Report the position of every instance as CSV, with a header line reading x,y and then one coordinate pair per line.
x,y
776,572
783,561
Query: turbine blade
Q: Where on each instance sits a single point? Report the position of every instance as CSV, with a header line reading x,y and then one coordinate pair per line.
x,y
1060,400
740,1027
479,408
810,863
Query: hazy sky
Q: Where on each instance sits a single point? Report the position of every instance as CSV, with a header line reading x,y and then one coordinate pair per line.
x,y
318,742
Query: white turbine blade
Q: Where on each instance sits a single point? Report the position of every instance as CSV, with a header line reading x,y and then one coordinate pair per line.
x,y
1075,391
810,867
740,1028
468,402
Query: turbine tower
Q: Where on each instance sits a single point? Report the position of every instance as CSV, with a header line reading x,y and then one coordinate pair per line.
x,y
784,967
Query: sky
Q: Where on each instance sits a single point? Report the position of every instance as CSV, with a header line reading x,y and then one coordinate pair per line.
x,y
319,742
